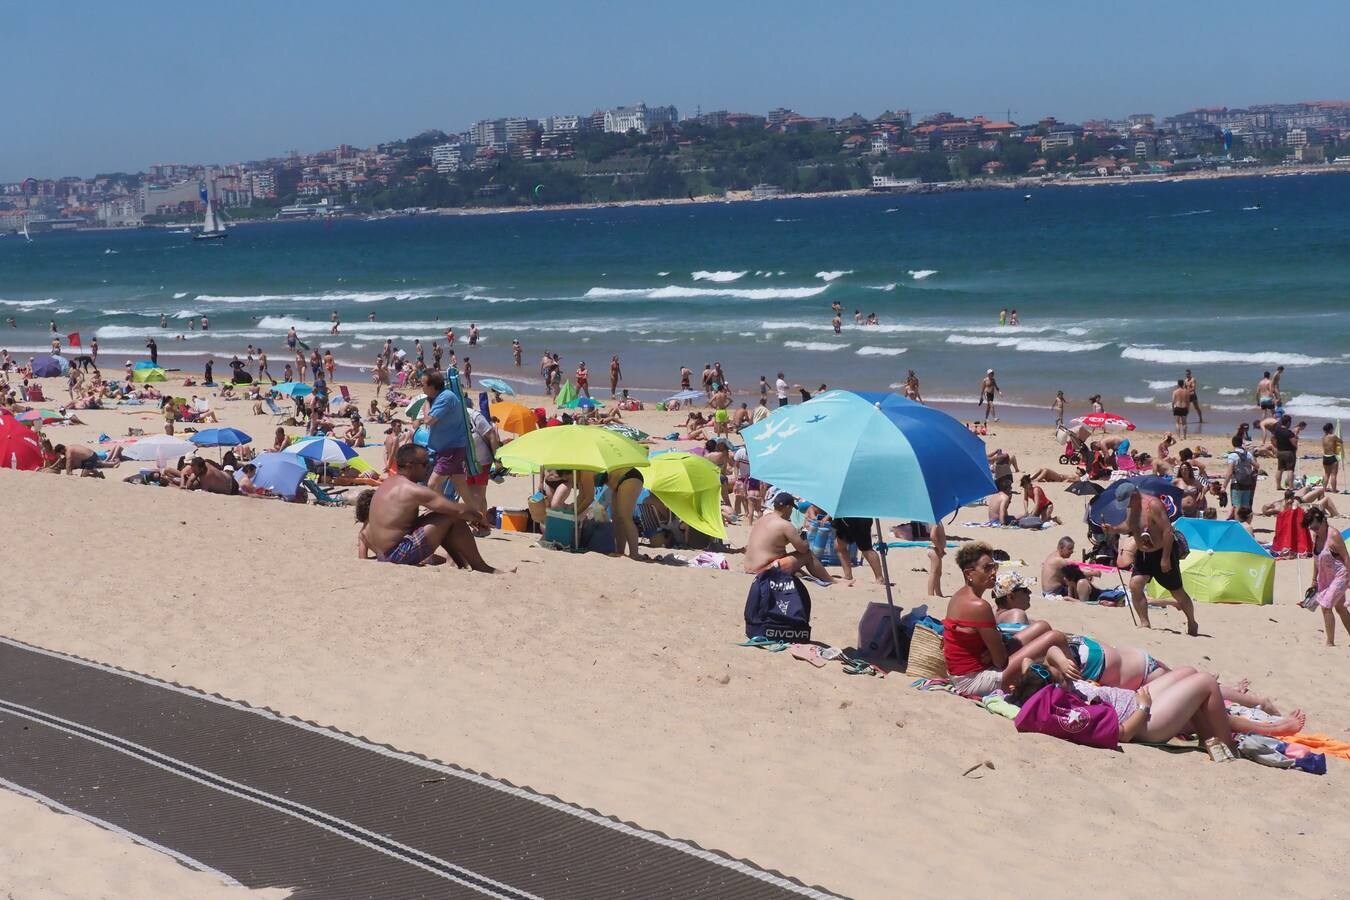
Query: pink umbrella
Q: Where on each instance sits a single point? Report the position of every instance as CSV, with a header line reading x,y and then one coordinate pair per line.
x,y
1105,421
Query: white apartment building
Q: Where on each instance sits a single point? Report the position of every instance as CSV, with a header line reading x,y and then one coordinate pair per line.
x,y
640,118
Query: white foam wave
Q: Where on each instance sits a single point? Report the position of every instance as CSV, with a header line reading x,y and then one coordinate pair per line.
x,y
662,274
1030,345
29,304
1161,385
882,287
326,297
331,345
484,298
180,295
818,346
901,327
656,340
833,274
1141,401
64,310
1318,406
185,314
1219,357
881,351
921,274
720,277
1231,392
675,292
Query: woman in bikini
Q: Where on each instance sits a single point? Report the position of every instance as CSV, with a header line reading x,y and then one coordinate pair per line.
x,y
627,488
980,659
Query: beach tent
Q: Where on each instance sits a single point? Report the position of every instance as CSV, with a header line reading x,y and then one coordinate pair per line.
x,y
48,366
566,394
141,376
281,473
1225,565
690,487
146,364
513,417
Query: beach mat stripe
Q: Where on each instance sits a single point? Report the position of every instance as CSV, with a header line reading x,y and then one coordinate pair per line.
x,y
624,859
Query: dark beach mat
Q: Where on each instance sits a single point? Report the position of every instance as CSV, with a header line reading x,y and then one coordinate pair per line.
x,y
270,801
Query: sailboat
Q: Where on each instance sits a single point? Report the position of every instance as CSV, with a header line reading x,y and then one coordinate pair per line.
x,y
213,226
25,234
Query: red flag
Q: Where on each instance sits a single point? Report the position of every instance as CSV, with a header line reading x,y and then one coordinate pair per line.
x,y
73,339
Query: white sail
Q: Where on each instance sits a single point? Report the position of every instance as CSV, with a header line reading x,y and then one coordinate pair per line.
x,y
25,231
209,224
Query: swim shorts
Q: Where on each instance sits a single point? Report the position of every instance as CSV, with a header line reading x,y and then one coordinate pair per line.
x,y
1180,411
721,415
479,479
452,461
1285,460
413,550
978,684
1241,497
1150,566
854,531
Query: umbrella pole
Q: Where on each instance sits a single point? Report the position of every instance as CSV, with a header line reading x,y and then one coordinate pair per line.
x,y
890,600
1129,598
576,514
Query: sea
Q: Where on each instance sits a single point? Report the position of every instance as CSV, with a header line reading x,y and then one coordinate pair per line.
x,y
1118,289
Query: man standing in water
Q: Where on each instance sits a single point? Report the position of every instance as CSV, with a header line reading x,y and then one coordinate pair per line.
x,y
1181,402
516,351
1265,394
1191,389
1156,554
988,388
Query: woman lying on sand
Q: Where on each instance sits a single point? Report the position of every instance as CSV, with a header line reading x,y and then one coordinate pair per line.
x,y
1131,668
1175,702
980,658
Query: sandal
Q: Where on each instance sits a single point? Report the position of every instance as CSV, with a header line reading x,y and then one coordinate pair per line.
x,y
761,641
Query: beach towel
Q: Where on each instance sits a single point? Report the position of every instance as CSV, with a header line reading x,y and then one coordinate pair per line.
x,y
1321,743
1291,535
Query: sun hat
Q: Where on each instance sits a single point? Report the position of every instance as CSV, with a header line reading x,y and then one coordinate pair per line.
x,y
1011,581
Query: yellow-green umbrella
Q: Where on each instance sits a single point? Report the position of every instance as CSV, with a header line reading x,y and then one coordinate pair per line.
x,y
691,487
584,448
141,376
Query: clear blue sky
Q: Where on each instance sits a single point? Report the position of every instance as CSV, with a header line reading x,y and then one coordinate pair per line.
x,y
96,86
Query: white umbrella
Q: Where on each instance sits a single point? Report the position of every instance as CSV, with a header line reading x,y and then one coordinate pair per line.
x,y
158,449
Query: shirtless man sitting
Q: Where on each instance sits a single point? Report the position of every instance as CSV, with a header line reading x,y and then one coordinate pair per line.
x,y
1075,583
396,533
1155,554
774,542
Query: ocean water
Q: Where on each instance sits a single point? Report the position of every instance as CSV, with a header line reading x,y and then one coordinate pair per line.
x,y
1118,289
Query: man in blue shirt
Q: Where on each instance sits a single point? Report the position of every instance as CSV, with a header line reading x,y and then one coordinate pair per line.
x,y
448,437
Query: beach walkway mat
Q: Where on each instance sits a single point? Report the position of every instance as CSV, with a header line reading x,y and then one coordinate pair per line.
x,y
266,800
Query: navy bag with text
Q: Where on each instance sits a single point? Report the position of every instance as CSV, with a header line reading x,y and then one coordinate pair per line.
x,y
778,608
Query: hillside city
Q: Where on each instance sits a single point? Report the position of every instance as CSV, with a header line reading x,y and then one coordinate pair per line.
x,y
648,152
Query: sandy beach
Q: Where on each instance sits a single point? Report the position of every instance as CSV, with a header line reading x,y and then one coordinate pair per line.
x,y
618,686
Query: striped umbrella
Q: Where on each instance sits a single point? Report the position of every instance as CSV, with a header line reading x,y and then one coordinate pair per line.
x,y
322,449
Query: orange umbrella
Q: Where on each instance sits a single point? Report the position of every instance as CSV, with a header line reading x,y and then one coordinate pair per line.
x,y
513,417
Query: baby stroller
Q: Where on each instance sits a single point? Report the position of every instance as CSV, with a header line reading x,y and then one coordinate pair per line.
x,y
1075,451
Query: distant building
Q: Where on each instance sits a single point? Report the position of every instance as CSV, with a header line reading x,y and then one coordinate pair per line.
x,y
640,118
152,199
887,183
264,185
765,191
489,133
563,125
518,130
778,116
1057,139
447,158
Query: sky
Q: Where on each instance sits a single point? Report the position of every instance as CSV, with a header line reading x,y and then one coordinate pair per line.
x,y
98,87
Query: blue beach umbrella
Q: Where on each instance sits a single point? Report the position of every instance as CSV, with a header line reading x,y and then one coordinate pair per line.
x,y
292,389
280,473
687,395
220,437
1112,504
871,455
47,365
496,384
321,449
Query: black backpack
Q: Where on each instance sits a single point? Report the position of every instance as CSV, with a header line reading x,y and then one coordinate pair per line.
x,y
778,608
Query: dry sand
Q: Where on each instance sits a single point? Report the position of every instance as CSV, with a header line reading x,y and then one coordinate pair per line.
x,y
617,685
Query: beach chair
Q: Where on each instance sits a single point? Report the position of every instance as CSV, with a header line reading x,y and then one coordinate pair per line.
x,y
277,412
346,394
329,497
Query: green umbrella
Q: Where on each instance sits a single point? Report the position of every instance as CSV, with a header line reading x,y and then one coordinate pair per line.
x,y
141,376
691,487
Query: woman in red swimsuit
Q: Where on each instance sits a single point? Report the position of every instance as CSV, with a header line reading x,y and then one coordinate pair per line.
x,y
980,660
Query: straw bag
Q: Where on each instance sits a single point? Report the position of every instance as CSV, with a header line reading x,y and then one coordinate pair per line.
x,y
925,654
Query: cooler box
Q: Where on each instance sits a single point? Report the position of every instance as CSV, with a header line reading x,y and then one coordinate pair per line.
x,y
515,519
560,528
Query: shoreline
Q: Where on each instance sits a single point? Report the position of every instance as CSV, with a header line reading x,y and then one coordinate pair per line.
x,y
941,187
